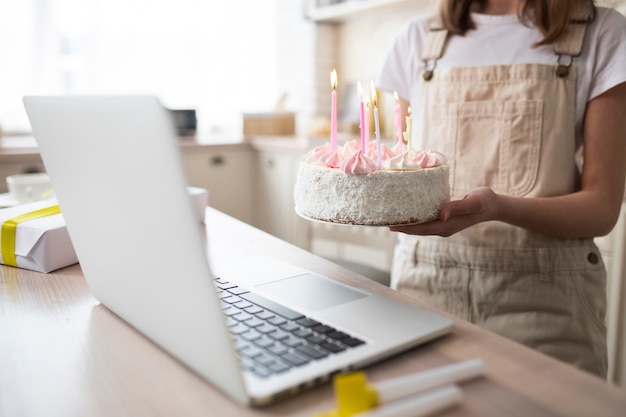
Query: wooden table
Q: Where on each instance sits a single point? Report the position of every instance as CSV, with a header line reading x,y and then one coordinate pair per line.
x,y
64,354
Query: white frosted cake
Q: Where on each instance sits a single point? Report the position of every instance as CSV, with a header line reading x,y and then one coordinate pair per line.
x,y
377,187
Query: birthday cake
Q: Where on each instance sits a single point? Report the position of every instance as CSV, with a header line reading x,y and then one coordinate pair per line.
x,y
371,185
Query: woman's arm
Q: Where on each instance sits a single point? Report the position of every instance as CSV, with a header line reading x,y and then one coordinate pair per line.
x,y
590,212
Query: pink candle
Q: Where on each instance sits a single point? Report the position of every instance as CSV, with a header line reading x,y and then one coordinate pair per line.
x,y
367,122
333,115
362,118
398,111
376,125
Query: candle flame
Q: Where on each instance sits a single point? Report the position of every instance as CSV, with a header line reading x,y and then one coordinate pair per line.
x,y
395,95
333,79
360,89
373,92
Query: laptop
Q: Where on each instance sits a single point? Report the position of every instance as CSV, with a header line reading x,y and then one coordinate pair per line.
x,y
117,173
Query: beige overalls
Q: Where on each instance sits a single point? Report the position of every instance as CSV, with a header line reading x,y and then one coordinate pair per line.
x,y
509,127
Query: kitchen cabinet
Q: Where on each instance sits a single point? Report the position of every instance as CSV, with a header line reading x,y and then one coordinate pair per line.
x,y
276,176
227,172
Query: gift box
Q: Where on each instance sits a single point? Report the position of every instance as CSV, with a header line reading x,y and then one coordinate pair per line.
x,y
34,236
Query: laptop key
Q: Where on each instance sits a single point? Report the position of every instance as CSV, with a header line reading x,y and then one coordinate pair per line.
x,y
247,363
295,358
271,305
289,327
337,335
279,335
242,316
251,352
322,328
352,341
251,335
264,342
239,302
265,359
225,285
315,339
302,332
266,328
311,351
232,311
292,341
278,349
252,309
219,280
332,347
279,367
307,322
254,322
276,320
233,299
239,328
261,371
265,315
237,290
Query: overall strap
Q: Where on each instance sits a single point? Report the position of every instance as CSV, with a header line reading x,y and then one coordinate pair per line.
x,y
435,44
571,42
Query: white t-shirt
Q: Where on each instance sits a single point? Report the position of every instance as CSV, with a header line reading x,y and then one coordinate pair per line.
x,y
502,40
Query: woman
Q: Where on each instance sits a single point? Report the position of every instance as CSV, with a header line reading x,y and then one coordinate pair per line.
x,y
527,99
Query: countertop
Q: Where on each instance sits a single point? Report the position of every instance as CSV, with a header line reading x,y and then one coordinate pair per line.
x,y
64,354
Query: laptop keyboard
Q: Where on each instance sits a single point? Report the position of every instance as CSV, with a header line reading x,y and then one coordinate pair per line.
x,y
271,338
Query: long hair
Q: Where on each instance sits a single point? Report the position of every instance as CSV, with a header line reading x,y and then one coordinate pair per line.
x,y
549,16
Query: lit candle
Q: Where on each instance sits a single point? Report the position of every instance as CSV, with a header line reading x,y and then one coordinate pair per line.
x,y
362,118
376,124
408,132
398,111
333,114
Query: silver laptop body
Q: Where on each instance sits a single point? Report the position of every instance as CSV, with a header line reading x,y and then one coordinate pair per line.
x,y
117,173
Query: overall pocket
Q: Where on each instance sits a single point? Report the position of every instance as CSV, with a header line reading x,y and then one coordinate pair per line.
x,y
488,143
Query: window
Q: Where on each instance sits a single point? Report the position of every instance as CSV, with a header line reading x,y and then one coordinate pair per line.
x,y
216,57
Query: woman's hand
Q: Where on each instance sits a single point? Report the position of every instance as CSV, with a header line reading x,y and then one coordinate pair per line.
x,y
479,205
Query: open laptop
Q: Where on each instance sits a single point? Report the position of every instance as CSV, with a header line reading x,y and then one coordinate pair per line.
x,y
117,172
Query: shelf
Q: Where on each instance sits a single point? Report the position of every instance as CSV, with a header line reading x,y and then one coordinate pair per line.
x,y
340,12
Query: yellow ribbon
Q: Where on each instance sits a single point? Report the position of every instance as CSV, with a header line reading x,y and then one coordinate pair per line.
x,y
9,229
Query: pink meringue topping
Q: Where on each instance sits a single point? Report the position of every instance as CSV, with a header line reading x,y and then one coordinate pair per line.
x,y
350,148
314,154
350,159
332,159
358,164
426,159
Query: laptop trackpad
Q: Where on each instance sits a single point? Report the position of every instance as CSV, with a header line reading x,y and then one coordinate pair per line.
x,y
311,292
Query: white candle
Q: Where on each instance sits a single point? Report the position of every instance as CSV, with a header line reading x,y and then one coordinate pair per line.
x,y
408,133
398,111
376,124
425,404
395,388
